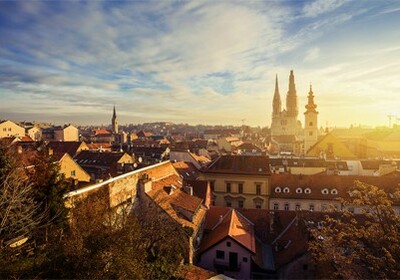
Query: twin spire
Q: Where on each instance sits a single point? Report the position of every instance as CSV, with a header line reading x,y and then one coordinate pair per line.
x,y
291,98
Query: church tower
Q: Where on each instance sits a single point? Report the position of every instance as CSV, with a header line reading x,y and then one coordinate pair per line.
x,y
114,122
291,98
311,122
277,104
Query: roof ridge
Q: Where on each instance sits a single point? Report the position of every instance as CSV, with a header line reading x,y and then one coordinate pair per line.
x,y
220,220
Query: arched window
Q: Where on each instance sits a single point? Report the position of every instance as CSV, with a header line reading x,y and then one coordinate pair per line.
x,y
334,191
307,190
299,190
278,190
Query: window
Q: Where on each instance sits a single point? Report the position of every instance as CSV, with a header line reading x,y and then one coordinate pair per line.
x,y
307,190
299,190
276,206
286,190
258,189
298,208
228,187
350,209
240,203
214,198
278,190
324,207
228,244
240,188
220,254
311,207
310,133
310,124
286,206
325,191
244,259
334,191
258,205
228,204
73,173
212,185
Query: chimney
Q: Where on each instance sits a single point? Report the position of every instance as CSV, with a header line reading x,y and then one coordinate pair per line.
x,y
189,190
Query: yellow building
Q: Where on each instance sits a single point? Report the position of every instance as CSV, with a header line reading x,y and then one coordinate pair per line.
x,y
9,128
67,133
330,147
239,181
70,168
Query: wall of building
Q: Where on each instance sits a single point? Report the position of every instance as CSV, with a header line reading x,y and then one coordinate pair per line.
x,y
72,170
8,129
249,194
208,259
319,204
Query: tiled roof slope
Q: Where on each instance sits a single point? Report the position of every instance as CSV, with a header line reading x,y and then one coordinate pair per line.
x,y
98,158
317,183
250,165
233,225
168,194
70,147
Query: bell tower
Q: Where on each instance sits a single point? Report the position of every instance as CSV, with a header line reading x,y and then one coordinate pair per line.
x,y
311,122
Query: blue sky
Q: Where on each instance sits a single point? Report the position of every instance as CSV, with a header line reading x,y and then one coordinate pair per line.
x,y
210,62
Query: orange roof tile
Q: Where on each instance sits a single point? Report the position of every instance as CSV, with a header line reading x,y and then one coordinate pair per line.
x,y
235,226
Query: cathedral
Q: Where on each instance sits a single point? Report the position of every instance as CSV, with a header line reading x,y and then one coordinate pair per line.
x,y
286,129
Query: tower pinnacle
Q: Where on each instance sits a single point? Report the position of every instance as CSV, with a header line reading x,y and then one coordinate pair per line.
x,y
276,104
114,122
291,97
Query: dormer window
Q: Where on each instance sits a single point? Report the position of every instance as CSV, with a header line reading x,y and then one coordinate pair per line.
x,y
307,190
278,190
299,190
334,191
286,190
325,191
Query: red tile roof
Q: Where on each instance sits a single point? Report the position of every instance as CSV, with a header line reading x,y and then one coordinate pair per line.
x,y
250,165
233,225
70,147
187,170
319,183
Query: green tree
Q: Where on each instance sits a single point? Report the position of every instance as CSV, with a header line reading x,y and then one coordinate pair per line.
x,y
360,246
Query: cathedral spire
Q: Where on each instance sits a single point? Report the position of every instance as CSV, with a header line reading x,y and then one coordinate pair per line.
x,y
291,97
277,104
114,122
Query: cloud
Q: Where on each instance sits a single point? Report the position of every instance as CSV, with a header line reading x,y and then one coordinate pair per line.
x,y
319,7
312,54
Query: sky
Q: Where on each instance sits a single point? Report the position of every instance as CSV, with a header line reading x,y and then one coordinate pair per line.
x,y
198,62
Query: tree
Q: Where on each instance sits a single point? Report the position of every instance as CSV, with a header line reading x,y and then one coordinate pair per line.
x,y
360,246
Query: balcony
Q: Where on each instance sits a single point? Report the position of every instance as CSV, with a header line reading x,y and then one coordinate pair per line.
x,y
225,265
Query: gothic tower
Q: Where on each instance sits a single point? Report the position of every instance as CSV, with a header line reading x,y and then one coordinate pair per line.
x,y
291,98
311,122
114,122
277,104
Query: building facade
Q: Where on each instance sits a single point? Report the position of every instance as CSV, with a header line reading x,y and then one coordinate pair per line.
x,y
9,128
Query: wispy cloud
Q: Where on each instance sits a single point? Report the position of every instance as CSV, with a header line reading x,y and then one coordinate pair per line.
x,y
197,61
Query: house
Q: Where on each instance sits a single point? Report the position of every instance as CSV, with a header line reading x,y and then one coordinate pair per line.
x,y
330,147
9,128
321,192
249,149
186,170
104,165
201,189
35,132
228,144
229,246
239,181
219,133
149,154
70,147
181,206
66,133
186,156
70,168
101,136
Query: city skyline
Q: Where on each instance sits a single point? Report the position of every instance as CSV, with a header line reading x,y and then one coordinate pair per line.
x,y
198,62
